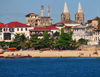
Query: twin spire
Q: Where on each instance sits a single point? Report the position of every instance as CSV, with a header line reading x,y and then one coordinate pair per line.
x,y
79,10
65,8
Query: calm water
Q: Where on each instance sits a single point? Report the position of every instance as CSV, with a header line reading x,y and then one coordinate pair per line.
x,y
50,67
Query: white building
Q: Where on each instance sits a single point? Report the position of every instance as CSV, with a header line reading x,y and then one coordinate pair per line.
x,y
7,31
39,30
85,32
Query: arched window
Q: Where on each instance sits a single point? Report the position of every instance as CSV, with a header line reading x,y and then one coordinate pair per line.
x,y
21,29
17,29
4,29
26,29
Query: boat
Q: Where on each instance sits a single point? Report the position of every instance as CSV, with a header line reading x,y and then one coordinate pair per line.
x,y
1,51
1,56
12,49
13,57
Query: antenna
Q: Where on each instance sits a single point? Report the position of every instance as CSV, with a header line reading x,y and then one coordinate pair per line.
x,y
49,10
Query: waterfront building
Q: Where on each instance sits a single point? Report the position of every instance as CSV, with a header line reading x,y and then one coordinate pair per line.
x,y
8,30
85,32
40,30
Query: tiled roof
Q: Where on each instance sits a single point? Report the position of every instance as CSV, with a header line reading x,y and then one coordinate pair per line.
x,y
39,28
15,24
67,22
31,14
2,25
44,28
52,27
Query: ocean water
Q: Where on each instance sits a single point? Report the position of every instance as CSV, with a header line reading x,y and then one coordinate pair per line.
x,y
50,67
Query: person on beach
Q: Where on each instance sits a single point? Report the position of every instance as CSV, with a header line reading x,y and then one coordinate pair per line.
x,y
96,52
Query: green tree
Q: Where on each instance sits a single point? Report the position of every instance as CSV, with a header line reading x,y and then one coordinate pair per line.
x,y
17,37
82,41
45,35
21,38
2,43
64,39
13,44
45,41
34,40
98,19
55,35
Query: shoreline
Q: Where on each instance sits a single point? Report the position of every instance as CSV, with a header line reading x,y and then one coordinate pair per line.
x,y
54,53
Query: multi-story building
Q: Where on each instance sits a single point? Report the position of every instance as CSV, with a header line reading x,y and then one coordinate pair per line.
x,y
40,30
32,19
36,21
85,32
92,22
8,30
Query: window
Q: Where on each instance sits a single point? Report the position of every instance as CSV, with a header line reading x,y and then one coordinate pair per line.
x,y
17,29
96,38
11,29
26,29
0,29
28,20
4,29
21,29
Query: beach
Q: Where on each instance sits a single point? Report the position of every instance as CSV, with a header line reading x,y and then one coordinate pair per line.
x,y
54,53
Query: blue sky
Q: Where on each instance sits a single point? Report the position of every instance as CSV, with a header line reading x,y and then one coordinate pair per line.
x,y
15,10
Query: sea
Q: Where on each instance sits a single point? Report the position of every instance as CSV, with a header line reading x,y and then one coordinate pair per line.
x,y
50,67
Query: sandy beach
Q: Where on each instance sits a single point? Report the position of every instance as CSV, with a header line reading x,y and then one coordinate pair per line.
x,y
54,53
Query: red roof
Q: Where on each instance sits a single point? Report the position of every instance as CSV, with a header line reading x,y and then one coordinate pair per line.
x,y
31,14
44,28
2,25
15,24
39,28
52,27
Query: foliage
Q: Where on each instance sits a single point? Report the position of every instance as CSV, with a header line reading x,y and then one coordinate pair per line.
x,y
98,19
82,41
56,35
45,41
21,39
17,37
2,43
13,44
34,40
45,36
64,40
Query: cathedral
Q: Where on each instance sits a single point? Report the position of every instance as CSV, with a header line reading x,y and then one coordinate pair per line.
x,y
79,16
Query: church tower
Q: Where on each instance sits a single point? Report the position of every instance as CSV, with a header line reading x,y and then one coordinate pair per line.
x,y
65,14
79,16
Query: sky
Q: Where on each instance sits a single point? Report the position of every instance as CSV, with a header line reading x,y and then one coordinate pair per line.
x,y
15,10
